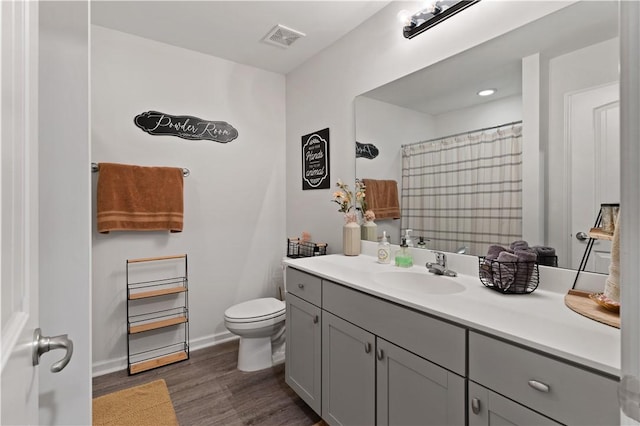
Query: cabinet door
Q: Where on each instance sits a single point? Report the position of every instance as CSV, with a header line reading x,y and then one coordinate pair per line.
x,y
488,408
414,391
348,373
303,351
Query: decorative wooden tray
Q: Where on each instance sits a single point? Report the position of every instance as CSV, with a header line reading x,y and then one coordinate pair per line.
x,y
581,302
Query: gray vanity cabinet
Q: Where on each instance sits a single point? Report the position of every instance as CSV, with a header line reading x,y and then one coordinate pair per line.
x,y
561,391
371,374
414,391
487,408
304,337
348,373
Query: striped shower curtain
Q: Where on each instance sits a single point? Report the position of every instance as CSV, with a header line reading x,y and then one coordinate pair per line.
x,y
464,190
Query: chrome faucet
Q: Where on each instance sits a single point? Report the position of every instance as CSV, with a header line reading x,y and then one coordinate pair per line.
x,y
440,267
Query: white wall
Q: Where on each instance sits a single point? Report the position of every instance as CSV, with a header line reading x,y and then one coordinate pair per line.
x,y
234,229
489,114
321,92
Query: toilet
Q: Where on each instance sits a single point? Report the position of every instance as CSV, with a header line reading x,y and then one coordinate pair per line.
x,y
260,325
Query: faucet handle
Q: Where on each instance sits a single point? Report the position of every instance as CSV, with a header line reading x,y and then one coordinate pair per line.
x,y
441,258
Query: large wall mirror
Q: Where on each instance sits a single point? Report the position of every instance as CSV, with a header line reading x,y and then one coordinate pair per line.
x,y
557,78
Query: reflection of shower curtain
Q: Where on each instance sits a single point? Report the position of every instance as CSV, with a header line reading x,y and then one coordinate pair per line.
x,y
464,190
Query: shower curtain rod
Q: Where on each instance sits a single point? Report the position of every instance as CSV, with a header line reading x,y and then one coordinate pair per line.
x,y
463,133
95,167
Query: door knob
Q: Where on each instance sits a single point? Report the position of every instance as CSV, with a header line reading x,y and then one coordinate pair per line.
x,y
582,236
43,344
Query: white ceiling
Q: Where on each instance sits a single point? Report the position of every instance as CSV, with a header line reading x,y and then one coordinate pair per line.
x,y
453,83
233,30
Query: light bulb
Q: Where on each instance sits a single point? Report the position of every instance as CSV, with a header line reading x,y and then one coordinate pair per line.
x,y
486,92
404,16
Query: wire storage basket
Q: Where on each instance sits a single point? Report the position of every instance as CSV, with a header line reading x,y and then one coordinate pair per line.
x,y
509,277
297,248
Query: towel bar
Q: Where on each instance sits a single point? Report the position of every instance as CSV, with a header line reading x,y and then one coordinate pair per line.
x,y
96,168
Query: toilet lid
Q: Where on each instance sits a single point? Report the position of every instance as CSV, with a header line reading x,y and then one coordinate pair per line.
x,y
255,310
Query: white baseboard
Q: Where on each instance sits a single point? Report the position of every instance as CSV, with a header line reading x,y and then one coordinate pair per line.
x,y
117,364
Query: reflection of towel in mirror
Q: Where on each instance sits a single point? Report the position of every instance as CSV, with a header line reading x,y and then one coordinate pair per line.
x,y
546,255
612,285
382,198
136,198
519,245
504,270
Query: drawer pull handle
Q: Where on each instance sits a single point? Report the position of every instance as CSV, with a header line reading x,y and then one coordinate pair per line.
x,y
315,319
539,386
380,354
300,286
475,406
367,347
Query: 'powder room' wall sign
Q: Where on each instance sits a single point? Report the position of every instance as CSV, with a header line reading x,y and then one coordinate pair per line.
x,y
185,127
315,160
366,150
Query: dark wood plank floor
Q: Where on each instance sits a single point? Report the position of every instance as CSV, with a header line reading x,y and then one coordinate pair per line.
x,y
207,389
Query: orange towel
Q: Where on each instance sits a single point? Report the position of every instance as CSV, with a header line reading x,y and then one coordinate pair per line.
x,y
382,198
135,198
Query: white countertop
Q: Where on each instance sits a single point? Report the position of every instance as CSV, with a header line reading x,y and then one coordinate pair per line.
x,y
539,320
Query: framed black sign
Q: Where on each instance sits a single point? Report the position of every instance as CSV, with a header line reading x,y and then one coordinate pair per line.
x,y
185,127
315,160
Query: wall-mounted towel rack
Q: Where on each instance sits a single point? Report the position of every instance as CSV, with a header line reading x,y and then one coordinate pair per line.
x,y
95,167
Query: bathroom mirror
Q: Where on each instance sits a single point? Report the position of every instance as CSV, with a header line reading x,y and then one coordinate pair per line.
x,y
570,59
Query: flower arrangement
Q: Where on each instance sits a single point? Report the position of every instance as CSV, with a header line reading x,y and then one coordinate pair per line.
x,y
369,216
350,202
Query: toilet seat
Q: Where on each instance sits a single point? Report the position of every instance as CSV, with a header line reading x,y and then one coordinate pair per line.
x,y
256,310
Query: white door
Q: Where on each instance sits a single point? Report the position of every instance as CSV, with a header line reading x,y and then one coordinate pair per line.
x,y
45,212
18,211
594,138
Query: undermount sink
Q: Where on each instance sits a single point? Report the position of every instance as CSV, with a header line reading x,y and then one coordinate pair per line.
x,y
416,282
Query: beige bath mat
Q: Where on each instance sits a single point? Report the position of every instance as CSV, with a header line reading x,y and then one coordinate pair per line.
x,y
144,405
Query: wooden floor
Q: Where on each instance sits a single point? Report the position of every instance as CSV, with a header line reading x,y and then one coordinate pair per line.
x,y
207,389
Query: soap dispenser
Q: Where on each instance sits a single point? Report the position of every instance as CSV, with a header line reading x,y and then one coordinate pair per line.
x,y
407,237
422,244
384,249
403,256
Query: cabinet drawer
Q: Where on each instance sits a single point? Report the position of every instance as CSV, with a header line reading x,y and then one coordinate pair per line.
x,y
438,341
554,388
305,286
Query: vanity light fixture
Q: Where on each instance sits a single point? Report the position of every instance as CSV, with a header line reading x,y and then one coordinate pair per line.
x,y
487,92
434,12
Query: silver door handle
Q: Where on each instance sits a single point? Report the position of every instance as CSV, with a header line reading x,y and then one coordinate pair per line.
x,y
475,406
43,344
367,347
582,236
539,386
380,354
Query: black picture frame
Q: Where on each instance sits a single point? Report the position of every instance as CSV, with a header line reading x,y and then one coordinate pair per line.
x,y
315,160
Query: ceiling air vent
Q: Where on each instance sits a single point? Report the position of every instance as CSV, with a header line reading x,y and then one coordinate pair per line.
x,y
282,36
